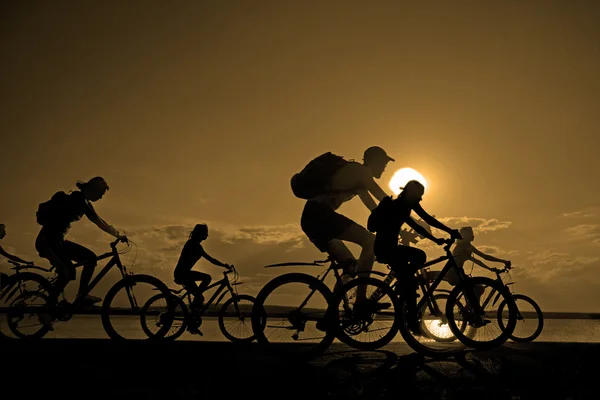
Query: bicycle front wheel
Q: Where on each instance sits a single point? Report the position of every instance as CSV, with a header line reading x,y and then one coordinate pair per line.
x,y
122,307
530,319
293,331
430,334
484,331
366,321
235,319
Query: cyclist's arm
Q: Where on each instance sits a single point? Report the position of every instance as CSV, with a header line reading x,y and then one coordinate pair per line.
x,y
487,256
11,257
100,223
419,229
431,221
214,260
480,263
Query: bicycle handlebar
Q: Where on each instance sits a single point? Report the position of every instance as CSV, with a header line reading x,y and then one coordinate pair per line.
x,y
449,243
230,269
117,240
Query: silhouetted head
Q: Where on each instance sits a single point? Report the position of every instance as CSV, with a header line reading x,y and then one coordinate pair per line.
x,y
199,233
93,189
467,233
2,231
376,159
413,191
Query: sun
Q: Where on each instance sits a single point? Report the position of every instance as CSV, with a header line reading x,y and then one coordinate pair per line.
x,y
402,176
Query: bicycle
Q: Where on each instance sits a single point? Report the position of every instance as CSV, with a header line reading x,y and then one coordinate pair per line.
x,y
52,309
182,316
537,314
296,323
471,314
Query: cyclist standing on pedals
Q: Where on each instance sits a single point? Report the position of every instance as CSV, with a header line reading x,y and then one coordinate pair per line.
x,y
190,254
3,276
387,220
56,217
326,228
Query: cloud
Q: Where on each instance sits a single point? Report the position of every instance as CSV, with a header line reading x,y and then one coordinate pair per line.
x,y
480,225
588,212
547,264
495,250
585,232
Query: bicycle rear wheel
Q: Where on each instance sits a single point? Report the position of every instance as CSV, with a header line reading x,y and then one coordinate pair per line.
x,y
292,331
155,315
530,318
29,305
121,311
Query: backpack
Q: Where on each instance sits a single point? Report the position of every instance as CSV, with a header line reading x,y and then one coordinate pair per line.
x,y
380,214
48,211
315,178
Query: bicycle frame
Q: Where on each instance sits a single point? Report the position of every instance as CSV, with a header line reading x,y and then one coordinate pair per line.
x,y
114,260
223,284
429,289
494,291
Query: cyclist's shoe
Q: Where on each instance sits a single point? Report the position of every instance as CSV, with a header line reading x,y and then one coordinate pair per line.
x,y
89,300
195,331
368,306
47,321
194,325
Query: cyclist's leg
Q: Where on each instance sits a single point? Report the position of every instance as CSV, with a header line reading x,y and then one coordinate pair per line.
x,y
357,234
81,254
50,248
405,261
204,279
322,225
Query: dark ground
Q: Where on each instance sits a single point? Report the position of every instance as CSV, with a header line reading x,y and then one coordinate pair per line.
x,y
103,369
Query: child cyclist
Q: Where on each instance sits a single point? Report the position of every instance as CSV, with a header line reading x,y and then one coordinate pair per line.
x,y
190,254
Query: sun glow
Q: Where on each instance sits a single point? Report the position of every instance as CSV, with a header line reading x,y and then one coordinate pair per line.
x,y
439,329
402,176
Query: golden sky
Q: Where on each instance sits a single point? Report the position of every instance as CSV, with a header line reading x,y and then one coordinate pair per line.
x,y
201,111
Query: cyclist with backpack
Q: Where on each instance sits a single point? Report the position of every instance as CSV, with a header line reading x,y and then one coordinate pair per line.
x,y
55,216
326,183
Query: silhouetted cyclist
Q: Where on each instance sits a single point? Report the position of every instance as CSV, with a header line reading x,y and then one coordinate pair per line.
x,y
190,254
339,181
56,217
3,276
463,251
387,220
